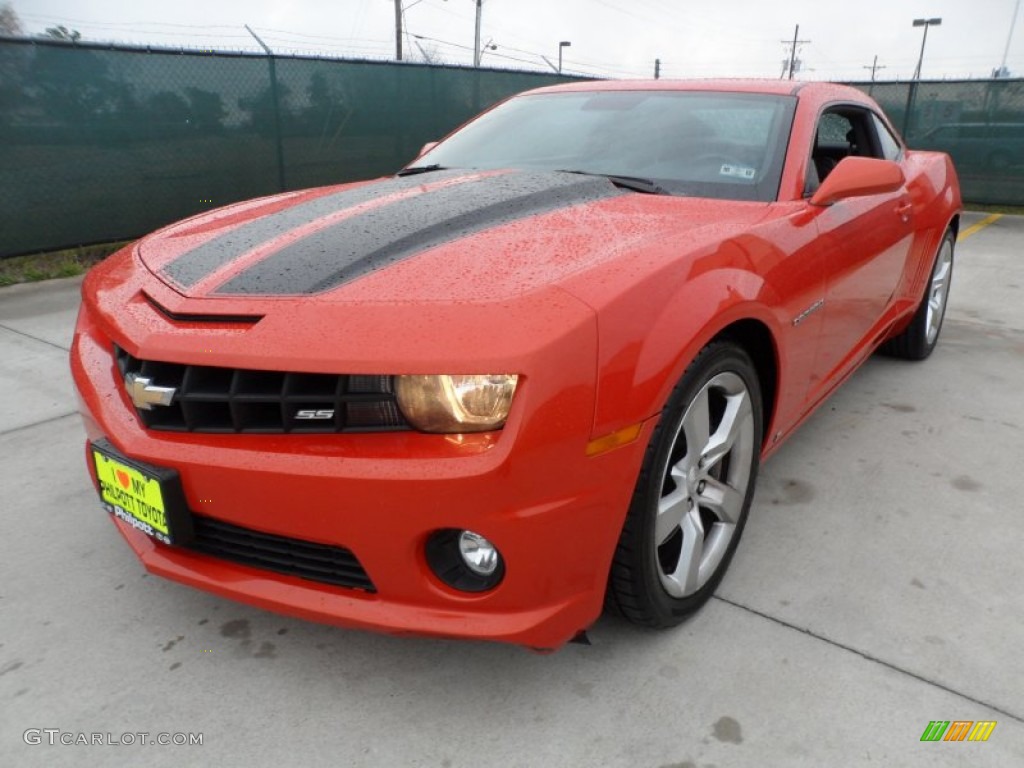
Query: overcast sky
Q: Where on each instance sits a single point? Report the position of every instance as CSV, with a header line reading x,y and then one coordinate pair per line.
x,y
615,38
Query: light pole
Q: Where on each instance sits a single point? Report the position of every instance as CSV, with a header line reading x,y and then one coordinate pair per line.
x,y
1009,38
561,45
476,39
924,39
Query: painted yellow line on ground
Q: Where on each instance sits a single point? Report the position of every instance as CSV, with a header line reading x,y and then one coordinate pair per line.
x,y
974,228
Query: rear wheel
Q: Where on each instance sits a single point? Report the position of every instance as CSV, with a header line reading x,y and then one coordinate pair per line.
x,y
693,493
919,338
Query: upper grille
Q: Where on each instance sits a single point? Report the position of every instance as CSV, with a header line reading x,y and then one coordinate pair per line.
x,y
304,559
232,400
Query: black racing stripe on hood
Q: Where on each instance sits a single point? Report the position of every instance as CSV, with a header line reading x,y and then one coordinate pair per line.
x,y
191,267
384,236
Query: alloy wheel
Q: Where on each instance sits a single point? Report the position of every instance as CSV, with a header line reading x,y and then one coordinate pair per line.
x,y
704,485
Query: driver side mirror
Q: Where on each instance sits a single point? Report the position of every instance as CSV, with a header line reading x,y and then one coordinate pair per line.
x,y
856,177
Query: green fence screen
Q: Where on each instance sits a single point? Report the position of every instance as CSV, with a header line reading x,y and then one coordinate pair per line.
x,y
100,144
980,123
105,143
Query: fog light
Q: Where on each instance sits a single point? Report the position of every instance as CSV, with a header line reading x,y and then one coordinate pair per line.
x,y
464,560
478,553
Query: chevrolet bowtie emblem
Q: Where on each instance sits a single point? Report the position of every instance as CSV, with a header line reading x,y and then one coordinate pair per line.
x,y
145,394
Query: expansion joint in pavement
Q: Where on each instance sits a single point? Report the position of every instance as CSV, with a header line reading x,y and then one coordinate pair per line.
x,y
50,420
871,658
35,338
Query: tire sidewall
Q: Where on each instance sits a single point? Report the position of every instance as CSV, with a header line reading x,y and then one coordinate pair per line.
x,y
713,360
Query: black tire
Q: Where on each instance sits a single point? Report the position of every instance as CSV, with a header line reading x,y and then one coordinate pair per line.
x,y
643,571
918,340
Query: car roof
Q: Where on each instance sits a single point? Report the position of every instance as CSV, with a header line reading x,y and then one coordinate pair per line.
x,y
822,91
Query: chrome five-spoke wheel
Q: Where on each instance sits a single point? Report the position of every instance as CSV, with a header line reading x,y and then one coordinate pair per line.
x,y
694,491
938,291
705,485
918,339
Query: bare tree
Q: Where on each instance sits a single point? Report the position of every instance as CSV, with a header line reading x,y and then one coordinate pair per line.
x,y
10,24
63,33
430,54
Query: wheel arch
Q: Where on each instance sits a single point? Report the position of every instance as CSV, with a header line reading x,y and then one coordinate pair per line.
x,y
756,339
631,591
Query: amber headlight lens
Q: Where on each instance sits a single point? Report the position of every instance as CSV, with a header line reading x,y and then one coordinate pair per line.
x,y
460,403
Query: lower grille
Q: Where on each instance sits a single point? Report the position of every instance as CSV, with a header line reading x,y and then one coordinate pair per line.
x,y
294,557
208,398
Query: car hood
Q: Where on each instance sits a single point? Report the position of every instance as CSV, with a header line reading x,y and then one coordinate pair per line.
x,y
444,236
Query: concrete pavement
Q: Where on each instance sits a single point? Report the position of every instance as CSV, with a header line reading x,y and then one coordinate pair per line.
x,y
877,588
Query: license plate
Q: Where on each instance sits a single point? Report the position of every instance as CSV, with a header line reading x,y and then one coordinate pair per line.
x,y
148,498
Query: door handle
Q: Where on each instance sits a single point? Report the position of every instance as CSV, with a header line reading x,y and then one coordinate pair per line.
x,y
903,210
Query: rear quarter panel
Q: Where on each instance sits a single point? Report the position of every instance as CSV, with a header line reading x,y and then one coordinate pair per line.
x,y
935,192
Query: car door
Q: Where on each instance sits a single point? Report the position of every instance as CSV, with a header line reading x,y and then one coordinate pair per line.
x,y
867,242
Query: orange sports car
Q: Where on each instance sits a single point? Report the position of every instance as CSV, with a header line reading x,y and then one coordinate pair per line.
x,y
530,376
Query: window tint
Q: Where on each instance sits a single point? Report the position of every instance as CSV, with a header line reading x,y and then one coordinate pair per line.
x,y
886,141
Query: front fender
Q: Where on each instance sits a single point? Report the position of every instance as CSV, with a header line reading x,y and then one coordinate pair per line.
x,y
649,335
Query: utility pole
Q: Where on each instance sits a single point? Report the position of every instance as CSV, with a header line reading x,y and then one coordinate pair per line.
x,y
1009,39
873,67
398,30
792,50
476,39
657,69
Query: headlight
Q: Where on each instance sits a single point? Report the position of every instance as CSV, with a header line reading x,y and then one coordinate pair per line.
x,y
459,403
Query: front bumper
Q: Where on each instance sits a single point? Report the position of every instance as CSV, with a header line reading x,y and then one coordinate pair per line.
x,y
554,513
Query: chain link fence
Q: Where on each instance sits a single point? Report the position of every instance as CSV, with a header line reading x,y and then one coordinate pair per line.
x,y
103,143
100,144
980,123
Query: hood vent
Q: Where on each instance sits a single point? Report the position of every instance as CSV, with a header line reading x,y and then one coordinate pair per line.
x,y
183,317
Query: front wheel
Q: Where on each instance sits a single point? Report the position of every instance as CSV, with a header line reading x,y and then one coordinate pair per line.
x,y
919,338
693,493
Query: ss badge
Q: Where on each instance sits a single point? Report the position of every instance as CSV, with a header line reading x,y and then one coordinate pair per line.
x,y
310,415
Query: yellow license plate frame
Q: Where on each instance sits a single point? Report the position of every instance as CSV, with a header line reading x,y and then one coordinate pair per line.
x,y
146,497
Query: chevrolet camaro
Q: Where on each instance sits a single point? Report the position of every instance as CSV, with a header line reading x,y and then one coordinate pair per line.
x,y
529,377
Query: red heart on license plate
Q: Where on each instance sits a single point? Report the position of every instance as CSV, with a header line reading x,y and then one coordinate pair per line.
x,y
123,479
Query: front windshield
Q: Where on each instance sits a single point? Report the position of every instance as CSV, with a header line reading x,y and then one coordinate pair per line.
x,y
693,143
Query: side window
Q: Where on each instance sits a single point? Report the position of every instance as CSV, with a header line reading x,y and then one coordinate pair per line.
x,y
886,141
833,140
833,128
843,131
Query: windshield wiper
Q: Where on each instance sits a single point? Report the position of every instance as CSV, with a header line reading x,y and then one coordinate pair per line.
x,y
417,169
634,183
